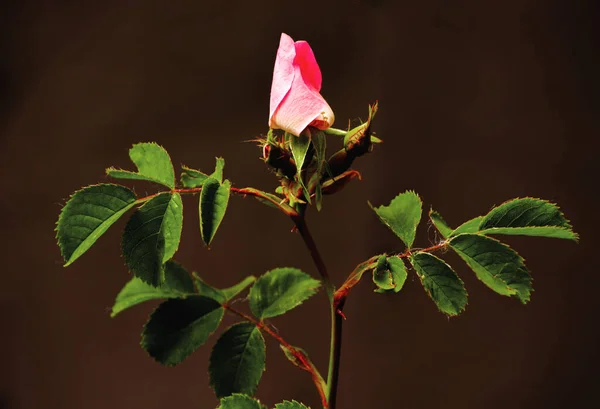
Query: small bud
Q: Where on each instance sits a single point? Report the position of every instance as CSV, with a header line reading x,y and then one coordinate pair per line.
x,y
358,140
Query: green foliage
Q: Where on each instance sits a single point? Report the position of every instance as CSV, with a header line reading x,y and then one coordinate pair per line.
x,y
279,290
178,283
225,294
440,282
153,163
389,275
240,401
494,263
218,173
402,216
439,223
191,178
237,360
529,217
179,326
87,215
470,226
290,405
213,204
152,235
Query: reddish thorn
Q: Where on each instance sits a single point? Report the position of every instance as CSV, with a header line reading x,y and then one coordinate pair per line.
x,y
341,313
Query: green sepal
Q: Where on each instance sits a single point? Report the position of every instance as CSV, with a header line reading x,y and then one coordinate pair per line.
x,y
237,360
153,164
279,290
240,401
178,283
213,204
152,236
299,146
499,267
441,283
192,178
87,215
528,217
179,326
402,216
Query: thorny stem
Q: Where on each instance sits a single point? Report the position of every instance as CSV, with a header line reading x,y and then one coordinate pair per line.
x,y
301,359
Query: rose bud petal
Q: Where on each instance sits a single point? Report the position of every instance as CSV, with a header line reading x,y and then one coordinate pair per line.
x,y
295,99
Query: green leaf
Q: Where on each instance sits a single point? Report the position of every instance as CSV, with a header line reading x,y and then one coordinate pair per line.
x,y
299,146
179,326
213,204
239,401
218,173
153,163
440,223
279,290
290,405
232,291
152,235
382,276
471,226
87,215
528,217
225,294
237,360
191,178
402,216
494,263
177,284
441,283
394,270
207,290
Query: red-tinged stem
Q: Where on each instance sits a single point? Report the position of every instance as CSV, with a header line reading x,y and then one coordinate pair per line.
x,y
335,344
247,191
301,358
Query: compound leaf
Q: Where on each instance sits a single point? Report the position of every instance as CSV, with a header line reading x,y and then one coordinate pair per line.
x,y
152,236
237,360
279,290
191,178
240,401
179,326
528,217
402,216
213,204
177,284
442,284
87,215
153,163
494,263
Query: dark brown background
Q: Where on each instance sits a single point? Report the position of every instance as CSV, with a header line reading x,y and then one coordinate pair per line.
x,y
480,102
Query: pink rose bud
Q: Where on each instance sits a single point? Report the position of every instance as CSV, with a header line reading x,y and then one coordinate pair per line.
x,y
295,99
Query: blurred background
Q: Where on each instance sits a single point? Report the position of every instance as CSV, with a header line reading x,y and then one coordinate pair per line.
x,y
479,102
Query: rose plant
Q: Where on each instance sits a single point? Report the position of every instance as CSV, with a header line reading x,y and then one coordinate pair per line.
x,y
295,148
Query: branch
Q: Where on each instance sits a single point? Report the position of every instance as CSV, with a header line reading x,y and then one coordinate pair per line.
x,y
303,361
